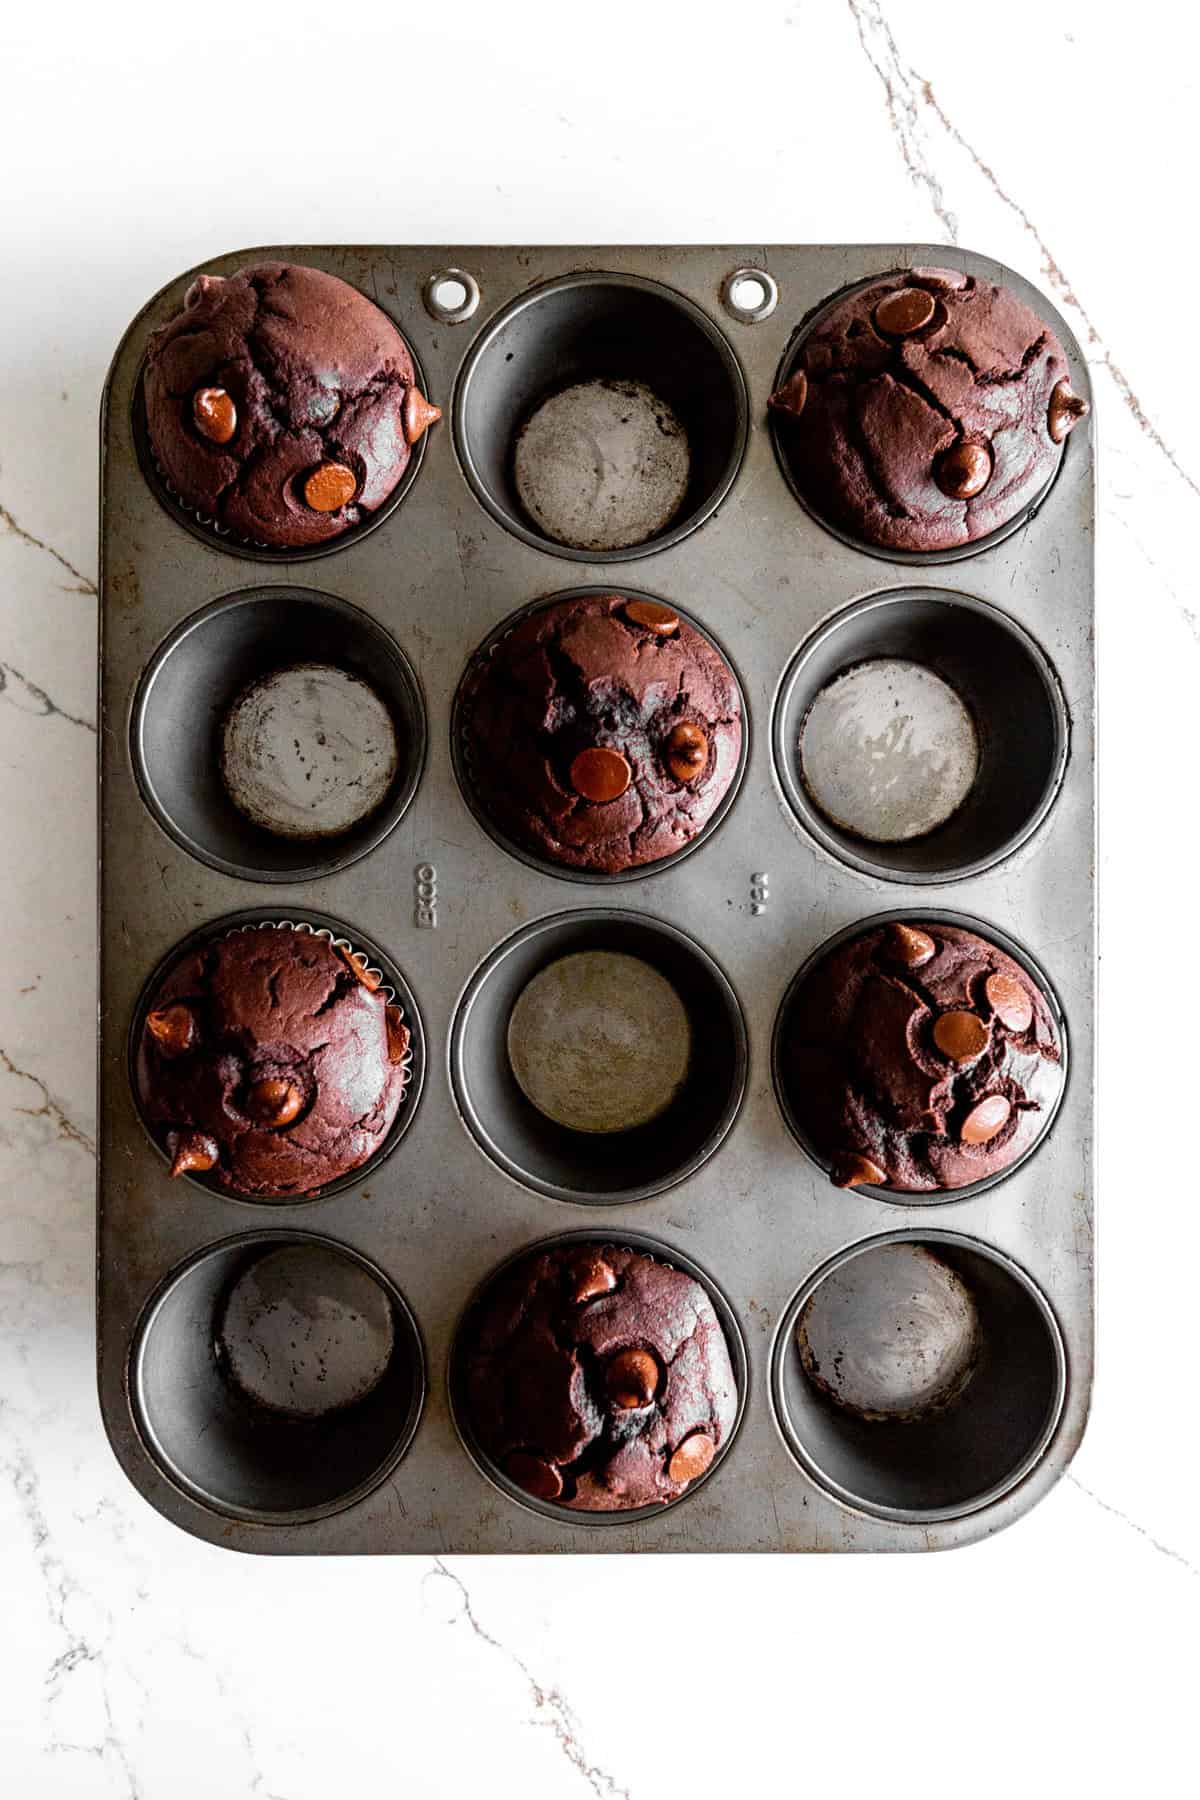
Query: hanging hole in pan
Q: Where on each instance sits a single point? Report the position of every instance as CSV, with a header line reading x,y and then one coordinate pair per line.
x,y
451,296
749,295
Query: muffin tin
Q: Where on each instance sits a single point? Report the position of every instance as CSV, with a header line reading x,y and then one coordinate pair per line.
x,y
722,1187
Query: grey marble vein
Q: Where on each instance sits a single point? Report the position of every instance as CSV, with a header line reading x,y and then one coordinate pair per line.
x,y
1155,1543
60,1587
909,96
84,584
65,1127
547,1701
43,707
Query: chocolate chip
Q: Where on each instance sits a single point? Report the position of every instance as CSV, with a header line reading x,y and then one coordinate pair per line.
x,y
659,619
906,310
202,286
214,414
274,1101
692,1457
1065,411
1010,1000
534,1474
985,1120
418,415
908,945
963,470
792,397
687,752
191,1150
173,1028
329,487
399,1037
962,1036
370,978
631,1379
594,1279
851,1170
944,281
600,775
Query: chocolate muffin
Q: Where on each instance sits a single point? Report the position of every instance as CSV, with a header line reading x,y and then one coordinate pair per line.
x,y
601,732
282,404
270,1060
925,409
598,1378
920,1057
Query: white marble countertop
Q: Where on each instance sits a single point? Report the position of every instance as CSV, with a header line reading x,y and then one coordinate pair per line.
x,y
136,1662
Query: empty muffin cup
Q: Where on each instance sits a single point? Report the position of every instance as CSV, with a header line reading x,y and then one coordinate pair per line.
x,y
278,734
920,736
601,417
277,1377
597,1283
918,1376
575,1026
182,1028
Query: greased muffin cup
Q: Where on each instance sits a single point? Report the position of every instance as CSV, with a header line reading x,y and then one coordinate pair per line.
x,y
971,1444
202,671
255,1369
216,1430
265,1118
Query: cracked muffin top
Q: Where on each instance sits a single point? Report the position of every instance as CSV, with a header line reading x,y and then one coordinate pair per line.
x,y
282,404
925,410
601,732
270,1060
599,1378
919,1057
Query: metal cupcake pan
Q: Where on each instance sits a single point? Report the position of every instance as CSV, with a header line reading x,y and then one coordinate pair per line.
x,y
452,915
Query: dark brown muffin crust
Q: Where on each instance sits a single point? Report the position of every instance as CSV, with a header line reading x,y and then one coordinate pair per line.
x,y
598,1378
281,403
925,410
920,1057
269,1060
601,732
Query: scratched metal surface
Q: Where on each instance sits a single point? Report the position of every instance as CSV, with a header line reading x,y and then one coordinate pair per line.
x,y
439,574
